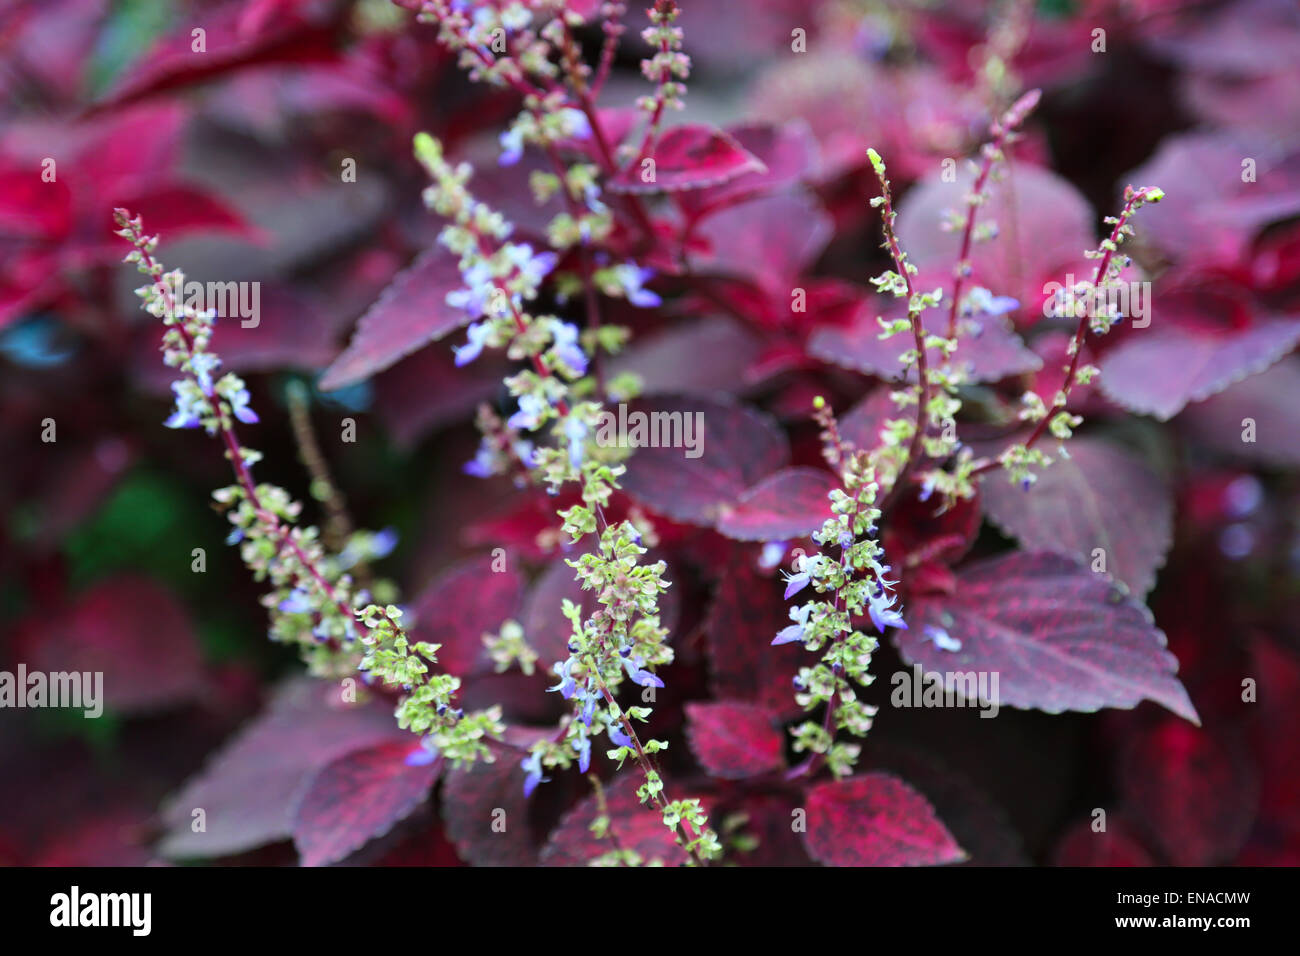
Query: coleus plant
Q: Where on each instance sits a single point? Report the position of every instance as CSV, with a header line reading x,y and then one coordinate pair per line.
x,y
635,199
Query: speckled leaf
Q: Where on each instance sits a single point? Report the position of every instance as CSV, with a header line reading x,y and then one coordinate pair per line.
x,y
734,740
359,796
485,810
1102,496
790,503
876,820
746,613
1058,636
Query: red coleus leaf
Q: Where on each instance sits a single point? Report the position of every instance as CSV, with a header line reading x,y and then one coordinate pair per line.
x,y
789,503
1270,401
408,315
769,241
735,740
876,820
172,209
696,357
732,445
987,348
426,390
484,807
1116,845
131,630
461,605
687,157
746,613
1101,499
1195,792
1056,636
1213,209
249,790
1044,224
636,826
788,151
1158,372
361,795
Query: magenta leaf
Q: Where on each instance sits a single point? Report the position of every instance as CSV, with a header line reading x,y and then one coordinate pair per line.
x,y
1102,498
361,795
688,157
747,611
1271,400
460,606
1056,636
876,820
768,241
987,349
1194,792
484,807
1158,372
789,503
249,790
410,313
735,740
788,151
636,827
862,423
734,446
127,628
703,356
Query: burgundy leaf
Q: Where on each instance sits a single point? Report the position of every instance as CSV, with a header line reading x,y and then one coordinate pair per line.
x,y
1101,497
790,503
408,315
987,350
862,423
1158,372
768,241
172,209
1212,212
698,357
1195,792
735,740
876,820
131,630
485,810
249,790
359,796
1271,400
460,606
736,445
787,150
637,827
688,157
1057,637
747,612
426,390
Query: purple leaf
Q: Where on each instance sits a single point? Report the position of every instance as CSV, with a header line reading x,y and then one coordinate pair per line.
x,y
735,740
790,503
1101,497
1057,637
688,157
876,820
